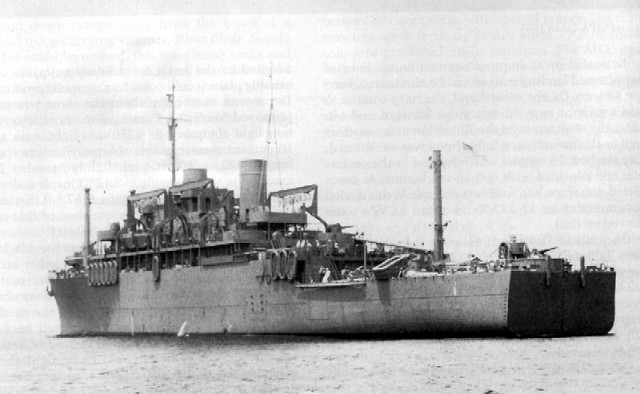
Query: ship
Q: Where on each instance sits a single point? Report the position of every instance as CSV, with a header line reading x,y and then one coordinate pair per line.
x,y
195,259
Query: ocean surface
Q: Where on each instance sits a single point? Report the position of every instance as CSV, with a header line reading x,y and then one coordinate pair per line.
x,y
251,364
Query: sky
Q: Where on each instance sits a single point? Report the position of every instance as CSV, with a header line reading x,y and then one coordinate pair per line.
x,y
546,97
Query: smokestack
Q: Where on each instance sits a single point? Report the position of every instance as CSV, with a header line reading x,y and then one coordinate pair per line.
x,y
253,185
87,227
438,241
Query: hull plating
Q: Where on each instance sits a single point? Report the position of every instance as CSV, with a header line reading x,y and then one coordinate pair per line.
x,y
236,298
563,306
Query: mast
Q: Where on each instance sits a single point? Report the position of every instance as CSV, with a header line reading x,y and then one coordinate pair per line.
x,y
172,133
271,123
87,227
438,240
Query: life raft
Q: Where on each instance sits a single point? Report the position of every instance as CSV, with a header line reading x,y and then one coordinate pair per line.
x,y
266,267
103,273
155,268
113,270
275,264
90,274
292,262
283,266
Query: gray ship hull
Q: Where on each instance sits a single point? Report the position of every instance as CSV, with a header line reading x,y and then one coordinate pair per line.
x,y
237,298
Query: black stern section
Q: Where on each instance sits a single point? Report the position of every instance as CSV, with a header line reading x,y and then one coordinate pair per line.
x,y
561,304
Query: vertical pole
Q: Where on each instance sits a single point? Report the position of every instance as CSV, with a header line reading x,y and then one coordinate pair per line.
x,y
87,227
364,248
438,241
173,136
173,160
130,213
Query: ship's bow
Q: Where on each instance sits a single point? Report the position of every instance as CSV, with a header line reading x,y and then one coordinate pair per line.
x,y
83,309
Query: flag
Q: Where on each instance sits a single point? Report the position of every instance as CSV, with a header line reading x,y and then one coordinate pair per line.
x,y
170,97
172,134
469,148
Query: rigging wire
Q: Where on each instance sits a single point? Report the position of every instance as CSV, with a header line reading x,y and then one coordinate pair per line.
x,y
272,117
271,132
271,123
488,256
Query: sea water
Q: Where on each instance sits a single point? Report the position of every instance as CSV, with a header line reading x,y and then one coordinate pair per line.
x,y
251,364
296,364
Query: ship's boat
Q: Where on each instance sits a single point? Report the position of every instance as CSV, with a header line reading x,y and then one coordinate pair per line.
x,y
193,255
